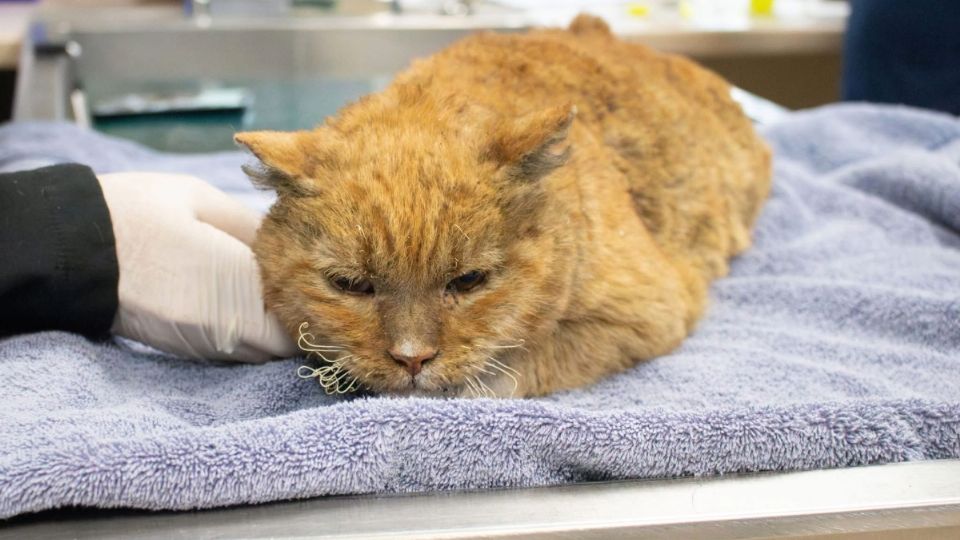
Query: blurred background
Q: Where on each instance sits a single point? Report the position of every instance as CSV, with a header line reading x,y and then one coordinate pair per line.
x,y
183,76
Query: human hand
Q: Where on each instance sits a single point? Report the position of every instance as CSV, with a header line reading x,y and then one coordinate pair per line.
x,y
189,284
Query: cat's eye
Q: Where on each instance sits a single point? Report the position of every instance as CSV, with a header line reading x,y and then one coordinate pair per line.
x,y
467,282
352,286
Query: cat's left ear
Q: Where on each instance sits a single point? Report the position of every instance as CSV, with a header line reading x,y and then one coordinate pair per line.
x,y
285,160
533,145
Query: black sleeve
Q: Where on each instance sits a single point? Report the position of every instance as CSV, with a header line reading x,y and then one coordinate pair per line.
x,y
58,262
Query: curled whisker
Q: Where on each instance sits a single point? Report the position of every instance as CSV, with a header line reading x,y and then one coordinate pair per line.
x,y
333,375
305,341
352,387
333,382
306,372
343,383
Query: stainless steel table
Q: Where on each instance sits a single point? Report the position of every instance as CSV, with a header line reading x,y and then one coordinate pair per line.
x,y
908,500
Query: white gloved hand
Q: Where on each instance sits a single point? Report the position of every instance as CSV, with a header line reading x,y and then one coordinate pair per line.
x,y
189,284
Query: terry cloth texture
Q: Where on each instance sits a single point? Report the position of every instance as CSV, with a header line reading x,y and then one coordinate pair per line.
x,y
834,342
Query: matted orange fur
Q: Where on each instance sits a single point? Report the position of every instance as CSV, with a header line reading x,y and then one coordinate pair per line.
x,y
515,215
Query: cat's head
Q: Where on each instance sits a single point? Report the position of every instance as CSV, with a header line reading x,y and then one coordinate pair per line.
x,y
415,240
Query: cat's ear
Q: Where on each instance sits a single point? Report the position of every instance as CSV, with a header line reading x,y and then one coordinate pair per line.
x,y
532,146
286,160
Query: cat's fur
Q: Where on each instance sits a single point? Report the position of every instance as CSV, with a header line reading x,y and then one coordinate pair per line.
x,y
600,184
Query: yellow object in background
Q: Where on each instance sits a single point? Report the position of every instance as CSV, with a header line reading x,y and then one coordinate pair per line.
x,y
638,9
718,11
761,7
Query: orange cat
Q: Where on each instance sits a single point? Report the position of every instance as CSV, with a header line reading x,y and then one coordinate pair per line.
x,y
515,215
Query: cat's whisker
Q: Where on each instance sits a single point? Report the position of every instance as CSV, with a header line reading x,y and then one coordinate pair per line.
x,y
491,391
332,369
517,345
483,388
319,355
469,386
339,359
353,386
341,382
327,368
306,345
323,376
306,372
487,391
484,370
342,359
472,387
499,366
332,366
504,346
328,375
332,376
343,369
465,235
516,384
305,341
339,377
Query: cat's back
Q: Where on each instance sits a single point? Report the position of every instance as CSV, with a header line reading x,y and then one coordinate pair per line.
x,y
586,64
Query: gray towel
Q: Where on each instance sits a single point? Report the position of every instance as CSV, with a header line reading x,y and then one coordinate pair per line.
x,y
835,342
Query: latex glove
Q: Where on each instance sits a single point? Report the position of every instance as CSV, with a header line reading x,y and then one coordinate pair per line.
x,y
189,284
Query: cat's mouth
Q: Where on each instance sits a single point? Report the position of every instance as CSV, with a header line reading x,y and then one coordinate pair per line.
x,y
425,384
480,381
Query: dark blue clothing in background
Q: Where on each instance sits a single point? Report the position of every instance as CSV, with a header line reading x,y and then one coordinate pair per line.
x,y
904,51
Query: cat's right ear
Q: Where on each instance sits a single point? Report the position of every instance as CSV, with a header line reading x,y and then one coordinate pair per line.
x,y
532,146
287,160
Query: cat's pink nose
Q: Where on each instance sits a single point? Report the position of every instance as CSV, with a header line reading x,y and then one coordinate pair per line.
x,y
412,358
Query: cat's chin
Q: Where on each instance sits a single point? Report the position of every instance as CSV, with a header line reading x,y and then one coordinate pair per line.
x,y
426,393
420,392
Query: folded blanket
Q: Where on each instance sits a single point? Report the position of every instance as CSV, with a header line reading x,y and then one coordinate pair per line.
x,y
834,342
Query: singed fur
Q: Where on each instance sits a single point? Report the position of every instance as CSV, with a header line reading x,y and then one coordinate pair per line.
x,y
601,185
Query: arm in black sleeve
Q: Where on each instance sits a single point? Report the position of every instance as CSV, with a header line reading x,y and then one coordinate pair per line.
x,y
58,262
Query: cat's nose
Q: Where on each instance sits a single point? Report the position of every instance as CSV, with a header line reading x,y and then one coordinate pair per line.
x,y
412,357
